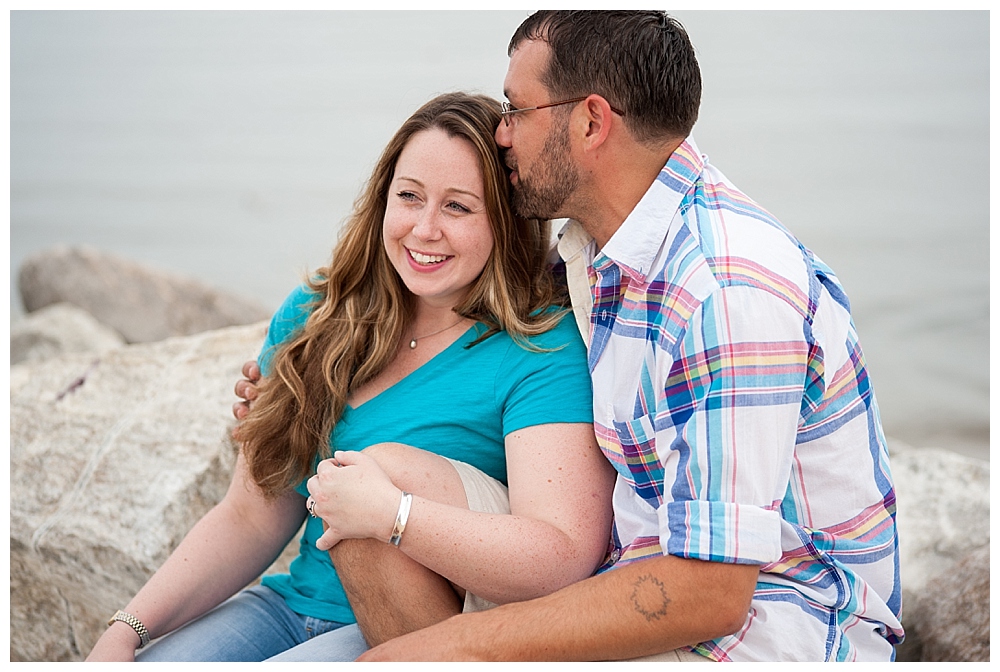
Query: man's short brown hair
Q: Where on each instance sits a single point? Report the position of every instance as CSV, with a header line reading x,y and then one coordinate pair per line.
x,y
642,62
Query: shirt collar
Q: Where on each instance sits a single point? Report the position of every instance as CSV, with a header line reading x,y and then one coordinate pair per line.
x,y
573,240
638,240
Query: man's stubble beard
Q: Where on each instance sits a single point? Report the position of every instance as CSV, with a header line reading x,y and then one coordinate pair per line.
x,y
554,179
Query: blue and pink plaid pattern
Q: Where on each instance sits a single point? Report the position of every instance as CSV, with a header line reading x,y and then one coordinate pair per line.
x,y
732,397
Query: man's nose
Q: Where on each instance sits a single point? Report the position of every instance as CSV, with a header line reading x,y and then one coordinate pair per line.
x,y
502,135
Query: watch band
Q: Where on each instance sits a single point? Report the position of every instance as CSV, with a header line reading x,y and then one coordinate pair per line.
x,y
134,623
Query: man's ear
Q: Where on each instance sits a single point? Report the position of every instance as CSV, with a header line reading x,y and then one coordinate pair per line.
x,y
599,121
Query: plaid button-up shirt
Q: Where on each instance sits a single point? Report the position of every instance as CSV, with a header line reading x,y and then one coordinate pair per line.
x,y
732,397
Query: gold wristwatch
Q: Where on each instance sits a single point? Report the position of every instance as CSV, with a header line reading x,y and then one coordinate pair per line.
x,y
134,623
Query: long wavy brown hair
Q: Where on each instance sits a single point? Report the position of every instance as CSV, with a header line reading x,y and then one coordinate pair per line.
x,y
362,307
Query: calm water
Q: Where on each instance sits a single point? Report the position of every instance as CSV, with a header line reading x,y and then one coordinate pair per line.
x,y
230,146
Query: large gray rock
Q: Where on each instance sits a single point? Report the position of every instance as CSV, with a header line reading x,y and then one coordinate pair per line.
x,y
143,304
58,329
111,464
943,518
951,617
943,510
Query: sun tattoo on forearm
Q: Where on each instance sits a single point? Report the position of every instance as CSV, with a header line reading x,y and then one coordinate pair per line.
x,y
649,596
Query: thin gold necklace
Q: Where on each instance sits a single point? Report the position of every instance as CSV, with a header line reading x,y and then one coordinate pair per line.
x,y
413,341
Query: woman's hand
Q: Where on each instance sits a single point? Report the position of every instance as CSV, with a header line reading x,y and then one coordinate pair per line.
x,y
354,497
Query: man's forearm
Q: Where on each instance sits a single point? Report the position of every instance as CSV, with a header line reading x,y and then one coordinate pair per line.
x,y
648,607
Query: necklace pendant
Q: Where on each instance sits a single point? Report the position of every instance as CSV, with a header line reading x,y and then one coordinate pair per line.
x,y
413,344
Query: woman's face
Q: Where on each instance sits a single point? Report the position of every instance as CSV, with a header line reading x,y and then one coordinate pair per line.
x,y
436,230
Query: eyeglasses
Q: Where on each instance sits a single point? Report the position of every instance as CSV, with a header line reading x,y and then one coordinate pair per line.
x,y
506,109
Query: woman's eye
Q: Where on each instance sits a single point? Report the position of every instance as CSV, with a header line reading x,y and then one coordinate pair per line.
x,y
458,207
406,196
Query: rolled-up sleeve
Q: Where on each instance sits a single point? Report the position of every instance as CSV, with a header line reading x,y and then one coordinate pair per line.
x,y
725,424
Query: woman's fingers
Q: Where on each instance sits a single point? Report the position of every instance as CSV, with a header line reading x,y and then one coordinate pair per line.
x,y
328,540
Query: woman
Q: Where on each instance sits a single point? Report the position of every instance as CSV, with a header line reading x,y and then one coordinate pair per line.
x,y
431,342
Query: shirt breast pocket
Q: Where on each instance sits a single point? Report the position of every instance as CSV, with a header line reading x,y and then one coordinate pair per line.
x,y
639,464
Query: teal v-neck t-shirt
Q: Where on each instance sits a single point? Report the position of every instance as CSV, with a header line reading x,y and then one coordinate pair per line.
x,y
461,404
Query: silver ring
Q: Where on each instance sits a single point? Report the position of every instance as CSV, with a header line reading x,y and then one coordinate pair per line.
x,y
312,508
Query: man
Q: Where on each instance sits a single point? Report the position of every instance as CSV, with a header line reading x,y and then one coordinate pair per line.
x,y
754,508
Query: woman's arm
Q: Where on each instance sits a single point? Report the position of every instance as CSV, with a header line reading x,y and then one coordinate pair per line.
x,y
560,495
226,550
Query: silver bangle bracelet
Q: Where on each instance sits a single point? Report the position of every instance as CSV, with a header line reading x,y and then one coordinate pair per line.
x,y
405,501
133,622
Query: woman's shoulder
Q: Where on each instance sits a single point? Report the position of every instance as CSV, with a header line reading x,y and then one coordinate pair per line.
x,y
563,335
299,303
288,319
295,309
552,367
562,340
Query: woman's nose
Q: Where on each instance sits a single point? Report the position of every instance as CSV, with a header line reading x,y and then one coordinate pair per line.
x,y
427,226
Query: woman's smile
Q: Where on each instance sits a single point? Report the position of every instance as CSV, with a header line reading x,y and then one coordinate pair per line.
x,y
427,262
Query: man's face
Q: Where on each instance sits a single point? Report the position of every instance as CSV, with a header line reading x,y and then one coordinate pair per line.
x,y
536,141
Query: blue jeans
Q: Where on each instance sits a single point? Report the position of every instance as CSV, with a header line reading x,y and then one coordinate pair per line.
x,y
251,626
342,644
